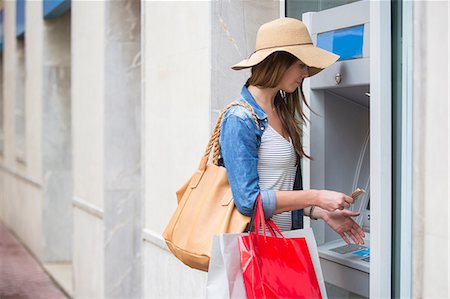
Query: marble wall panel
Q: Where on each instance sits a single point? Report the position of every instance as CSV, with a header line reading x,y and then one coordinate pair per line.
x,y
30,214
435,266
2,140
234,25
33,87
57,142
122,253
88,255
22,211
88,95
431,190
167,277
88,146
123,204
177,93
5,193
9,67
20,115
57,116
57,216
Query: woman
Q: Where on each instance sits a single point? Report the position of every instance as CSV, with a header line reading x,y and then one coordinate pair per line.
x,y
264,159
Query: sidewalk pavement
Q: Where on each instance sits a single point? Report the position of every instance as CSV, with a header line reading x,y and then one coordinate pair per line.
x,y
21,276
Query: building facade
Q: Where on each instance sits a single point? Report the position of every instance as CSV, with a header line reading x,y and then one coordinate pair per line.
x,y
107,106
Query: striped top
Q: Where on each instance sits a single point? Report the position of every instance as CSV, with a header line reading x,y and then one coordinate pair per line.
x,y
277,168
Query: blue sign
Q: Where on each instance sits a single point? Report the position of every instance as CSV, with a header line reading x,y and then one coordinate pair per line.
x,y
20,18
346,42
1,30
55,8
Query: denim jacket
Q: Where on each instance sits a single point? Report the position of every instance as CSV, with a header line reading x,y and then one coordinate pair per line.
x,y
239,141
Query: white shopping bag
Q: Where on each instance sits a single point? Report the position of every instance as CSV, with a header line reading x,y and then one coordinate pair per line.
x,y
225,274
314,253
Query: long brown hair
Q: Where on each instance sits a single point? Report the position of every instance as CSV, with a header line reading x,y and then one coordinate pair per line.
x,y
268,74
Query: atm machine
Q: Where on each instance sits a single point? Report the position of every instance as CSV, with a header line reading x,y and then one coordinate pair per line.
x,y
338,138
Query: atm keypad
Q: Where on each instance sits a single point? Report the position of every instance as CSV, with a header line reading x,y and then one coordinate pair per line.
x,y
348,248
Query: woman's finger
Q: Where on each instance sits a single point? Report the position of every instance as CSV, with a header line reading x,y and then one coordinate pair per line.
x,y
349,199
350,234
358,238
351,213
345,238
346,205
359,230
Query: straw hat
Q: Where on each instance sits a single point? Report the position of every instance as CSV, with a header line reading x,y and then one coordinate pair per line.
x,y
292,36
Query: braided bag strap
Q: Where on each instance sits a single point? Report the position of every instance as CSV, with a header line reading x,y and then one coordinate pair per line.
x,y
214,140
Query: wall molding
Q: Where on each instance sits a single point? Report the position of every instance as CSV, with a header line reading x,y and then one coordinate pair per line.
x,y
154,238
87,207
30,180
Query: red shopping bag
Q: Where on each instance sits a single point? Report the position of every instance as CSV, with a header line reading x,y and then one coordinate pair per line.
x,y
276,267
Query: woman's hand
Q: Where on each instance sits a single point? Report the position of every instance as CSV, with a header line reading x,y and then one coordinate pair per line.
x,y
343,223
332,200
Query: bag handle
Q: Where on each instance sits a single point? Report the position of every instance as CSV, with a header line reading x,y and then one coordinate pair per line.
x,y
214,139
256,219
264,223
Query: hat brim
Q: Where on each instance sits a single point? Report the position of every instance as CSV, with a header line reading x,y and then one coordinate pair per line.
x,y
315,58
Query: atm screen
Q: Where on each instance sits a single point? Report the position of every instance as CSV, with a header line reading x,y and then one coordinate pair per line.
x,y
346,42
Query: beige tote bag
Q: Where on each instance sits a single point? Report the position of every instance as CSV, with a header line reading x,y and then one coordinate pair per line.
x,y
205,207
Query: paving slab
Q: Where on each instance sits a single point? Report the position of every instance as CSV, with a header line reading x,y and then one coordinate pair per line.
x,y
21,276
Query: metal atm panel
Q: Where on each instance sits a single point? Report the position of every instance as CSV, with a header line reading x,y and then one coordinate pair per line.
x,y
339,138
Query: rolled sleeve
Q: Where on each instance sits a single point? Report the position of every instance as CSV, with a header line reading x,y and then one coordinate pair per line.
x,y
269,202
239,150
